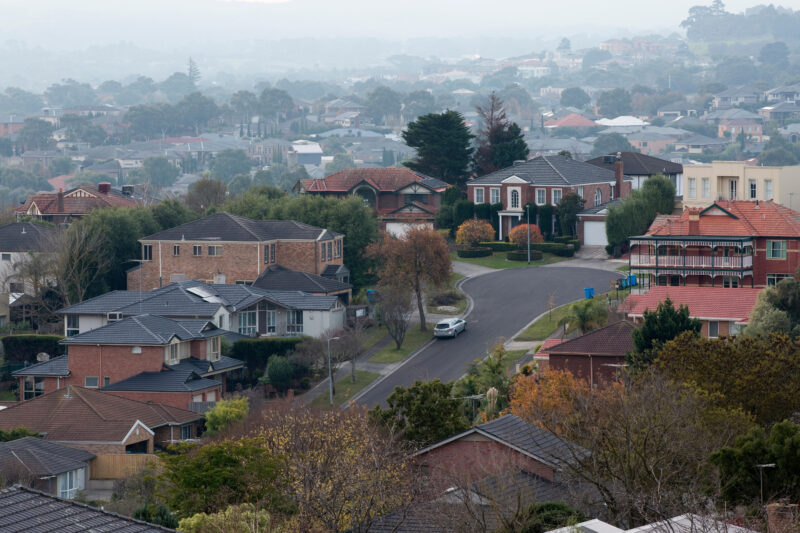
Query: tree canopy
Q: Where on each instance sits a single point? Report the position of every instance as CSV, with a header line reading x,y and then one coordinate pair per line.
x,y
442,141
658,327
499,142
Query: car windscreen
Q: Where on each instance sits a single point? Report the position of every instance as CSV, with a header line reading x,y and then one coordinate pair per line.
x,y
443,325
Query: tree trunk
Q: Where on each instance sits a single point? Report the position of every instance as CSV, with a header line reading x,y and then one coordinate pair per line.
x,y
421,307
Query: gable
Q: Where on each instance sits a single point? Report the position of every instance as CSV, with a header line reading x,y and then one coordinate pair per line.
x,y
138,430
415,188
79,193
716,210
513,179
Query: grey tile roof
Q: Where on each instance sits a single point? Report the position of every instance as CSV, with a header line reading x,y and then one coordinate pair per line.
x,y
529,438
171,379
280,278
635,164
227,227
597,208
204,366
146,330
105,303
303,300
42,458
332,271
26,237
701,140
31,511
57,366
554,170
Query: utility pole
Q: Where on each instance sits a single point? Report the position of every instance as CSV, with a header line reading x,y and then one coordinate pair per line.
x,y
330,370
528,213
761,477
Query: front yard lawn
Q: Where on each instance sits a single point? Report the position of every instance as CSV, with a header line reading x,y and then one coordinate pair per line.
x,y
498,260
414,339
345,389
460,304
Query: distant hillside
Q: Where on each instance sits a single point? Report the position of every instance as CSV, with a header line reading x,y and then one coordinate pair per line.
x,y
727,32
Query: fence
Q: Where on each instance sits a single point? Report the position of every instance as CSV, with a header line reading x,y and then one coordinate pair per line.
x,y
118,465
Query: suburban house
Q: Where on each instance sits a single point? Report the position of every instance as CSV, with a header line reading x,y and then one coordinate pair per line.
x,y
596,356
102,423
699,144
651,143
145,358
544,180
18,241
638,167
731,129
573,120
278,278
47,466
29,510
400,197
225,248
62,207
734,96
780,112
686,523
736,180
242,309
722,312
729,244
784,93
305,153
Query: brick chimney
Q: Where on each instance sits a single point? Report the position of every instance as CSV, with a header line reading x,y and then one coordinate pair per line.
x,y
781,517
619,176
694,223
104,187
60,202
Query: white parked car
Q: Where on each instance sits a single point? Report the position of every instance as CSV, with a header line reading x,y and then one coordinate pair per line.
x,y
449,327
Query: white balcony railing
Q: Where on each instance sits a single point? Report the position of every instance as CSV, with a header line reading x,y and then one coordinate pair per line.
x,y
691,261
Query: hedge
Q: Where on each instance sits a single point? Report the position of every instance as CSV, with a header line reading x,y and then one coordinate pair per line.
x,y
563,239
555,248
256,352
522,255
474,252
500,246
23,348
576,244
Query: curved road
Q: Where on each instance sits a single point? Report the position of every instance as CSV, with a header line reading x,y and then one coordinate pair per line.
x,y
503,303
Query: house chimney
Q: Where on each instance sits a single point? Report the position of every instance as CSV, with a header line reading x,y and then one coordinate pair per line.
x,y
619,176
60,202
781,517
694,223
104,187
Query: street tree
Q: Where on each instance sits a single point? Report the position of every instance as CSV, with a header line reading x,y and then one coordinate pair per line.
x,y
340,162
36,134
499,142
658,328
159,171
610,143
196,110
593,56
61,165
395,309
273,103
419,259
442,141
574,97
245,104
417,103
81,260
206,193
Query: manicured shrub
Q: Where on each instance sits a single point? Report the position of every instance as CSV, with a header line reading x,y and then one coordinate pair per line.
x,y
23,348
555,248
522,255
474,231
500,246
474,252
519,235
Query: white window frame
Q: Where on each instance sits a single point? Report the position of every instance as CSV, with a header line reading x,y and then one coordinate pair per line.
x,y
6,257
580,192
771,250
294,321
214,349
87,383
554,193
773,279
541,196
479,195
197,250
734,328
514,193
176,250
692,193
768,190
214,250
706,186
598,196
69,483
147,252
494,195
73,324
186,432
248,322
272,321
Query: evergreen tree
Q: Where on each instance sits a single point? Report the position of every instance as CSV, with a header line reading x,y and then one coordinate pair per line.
x,y
442,141
499,143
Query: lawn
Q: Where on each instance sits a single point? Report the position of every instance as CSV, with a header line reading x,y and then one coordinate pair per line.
x,y
7,396
373,336
345,389
414,339
623,268
498,260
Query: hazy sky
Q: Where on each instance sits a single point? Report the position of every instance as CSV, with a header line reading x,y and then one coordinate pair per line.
x,y
156,23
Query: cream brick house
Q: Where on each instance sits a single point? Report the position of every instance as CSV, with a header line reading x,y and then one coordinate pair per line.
x,y
735,180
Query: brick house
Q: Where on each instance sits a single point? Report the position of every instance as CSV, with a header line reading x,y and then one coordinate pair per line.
x,y
400,197
63,207
722,312
146,358
277,278
107,423
241,309
729,244
225,248
54,468
544,180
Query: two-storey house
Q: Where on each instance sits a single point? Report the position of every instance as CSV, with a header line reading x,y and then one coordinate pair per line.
x,y
63,207
225,248
736,180
399,196
544,180
729,244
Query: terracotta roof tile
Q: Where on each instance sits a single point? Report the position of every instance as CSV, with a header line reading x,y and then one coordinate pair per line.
x,y
47,202
713,303
733,218
572,120
546,345
382,179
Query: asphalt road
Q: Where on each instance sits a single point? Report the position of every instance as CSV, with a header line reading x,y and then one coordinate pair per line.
x,y
504,302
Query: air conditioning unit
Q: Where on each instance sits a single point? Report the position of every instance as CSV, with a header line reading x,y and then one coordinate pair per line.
x,y
114,317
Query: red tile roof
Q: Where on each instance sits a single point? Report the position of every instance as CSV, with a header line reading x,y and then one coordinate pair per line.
x,y
60,182
712,303
573,120
546,345
614,340
383,179
47,202
77,414
733,218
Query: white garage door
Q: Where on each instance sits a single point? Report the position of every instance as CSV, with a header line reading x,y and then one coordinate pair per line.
x,y
594,233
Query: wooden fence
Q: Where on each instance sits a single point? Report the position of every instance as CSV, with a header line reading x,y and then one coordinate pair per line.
x,y
118,465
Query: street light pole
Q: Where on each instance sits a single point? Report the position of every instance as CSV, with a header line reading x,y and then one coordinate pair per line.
x,y
528,214
330,370
761,477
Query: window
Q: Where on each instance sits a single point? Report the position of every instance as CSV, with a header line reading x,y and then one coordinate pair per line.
x,y
271,320
214,349
479,195
713,329
172,354
692,188
33,387
706,187
147,252
773,279
494,196
16,286
176,250
69,483
338,248
106,381
734,328
580,192
598,196
514,199
732,190
271,253
730,282
248,324
90,382
556,196
767,189
330,251
215,251
753,189
186,432
661,281
674,281
197,250
541,196
611,194
73,325
6,257
776,249
294,321
322,251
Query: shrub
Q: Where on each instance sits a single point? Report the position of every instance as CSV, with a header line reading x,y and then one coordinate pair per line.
x,y
23,348
463,210
447,298
474,231
576,244
519,235
483,211
225,413
499,246
256,352
522,255
474,252
563,239
280,373
555,248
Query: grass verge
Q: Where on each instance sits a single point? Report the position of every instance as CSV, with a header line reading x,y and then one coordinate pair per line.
x,y
345,389
414,339
498,260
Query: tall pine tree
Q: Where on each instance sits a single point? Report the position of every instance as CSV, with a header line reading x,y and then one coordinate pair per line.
x,y
442,141
499,142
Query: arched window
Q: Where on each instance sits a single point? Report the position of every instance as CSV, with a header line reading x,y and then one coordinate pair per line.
x,y
514,199
598,196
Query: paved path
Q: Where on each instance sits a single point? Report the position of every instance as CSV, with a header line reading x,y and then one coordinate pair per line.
x,y
592,257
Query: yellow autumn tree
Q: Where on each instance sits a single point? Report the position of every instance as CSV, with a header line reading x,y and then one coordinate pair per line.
x,y
474,232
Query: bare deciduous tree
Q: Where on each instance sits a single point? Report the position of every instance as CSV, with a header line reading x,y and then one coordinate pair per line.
x,y
80,261
395,310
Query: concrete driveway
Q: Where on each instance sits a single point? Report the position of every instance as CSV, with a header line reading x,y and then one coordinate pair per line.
x,y
504,302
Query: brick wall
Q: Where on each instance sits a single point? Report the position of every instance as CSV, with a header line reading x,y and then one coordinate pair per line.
x,y
528,192
594,369
114,362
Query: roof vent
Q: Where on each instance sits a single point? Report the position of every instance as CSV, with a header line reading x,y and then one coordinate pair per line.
x,y
23,230
518,161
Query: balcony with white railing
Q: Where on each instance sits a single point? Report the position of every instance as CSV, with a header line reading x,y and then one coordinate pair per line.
x,y
691,261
